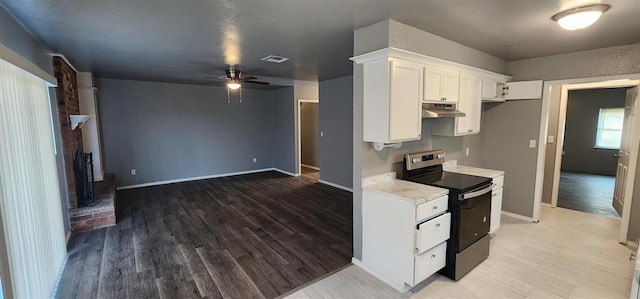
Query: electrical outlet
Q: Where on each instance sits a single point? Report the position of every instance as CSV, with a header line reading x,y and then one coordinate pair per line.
x,y
255,160
133,171
466,151
321,134
532,143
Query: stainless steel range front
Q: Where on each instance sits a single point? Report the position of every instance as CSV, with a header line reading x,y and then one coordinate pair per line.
x,y
469,205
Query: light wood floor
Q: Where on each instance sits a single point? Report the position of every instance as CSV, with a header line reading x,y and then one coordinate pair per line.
x,y
252,236
568,254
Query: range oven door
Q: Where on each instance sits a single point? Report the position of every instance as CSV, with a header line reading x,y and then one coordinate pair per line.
x,y
475,216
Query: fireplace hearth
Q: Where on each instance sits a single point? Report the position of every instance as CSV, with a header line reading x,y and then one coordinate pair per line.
x,y
85,186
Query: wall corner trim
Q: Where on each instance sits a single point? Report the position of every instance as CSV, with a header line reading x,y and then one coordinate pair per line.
x,y
336,186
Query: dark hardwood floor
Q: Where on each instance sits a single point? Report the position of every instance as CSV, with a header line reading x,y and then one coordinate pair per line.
x,y
588,193
251,236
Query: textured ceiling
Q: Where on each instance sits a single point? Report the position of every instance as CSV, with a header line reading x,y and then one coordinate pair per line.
x,y
178,41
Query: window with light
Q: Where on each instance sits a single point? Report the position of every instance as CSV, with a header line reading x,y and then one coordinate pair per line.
x,y
610,122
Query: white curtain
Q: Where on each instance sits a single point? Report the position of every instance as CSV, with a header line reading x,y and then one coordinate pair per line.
x,y
34,246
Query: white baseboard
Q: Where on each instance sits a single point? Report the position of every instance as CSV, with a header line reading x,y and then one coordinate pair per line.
x,y
285,172
336,186
517,216
194,178
68,236
398,287
311,167
545,204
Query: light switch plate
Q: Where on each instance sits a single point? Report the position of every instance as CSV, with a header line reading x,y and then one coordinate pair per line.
x,y
550,139
133,171
467,151
532,143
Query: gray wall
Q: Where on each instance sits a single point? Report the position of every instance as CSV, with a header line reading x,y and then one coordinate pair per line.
x,y
584,64
171,131
16,38
284,132
336,121
309,134
368,161
583,107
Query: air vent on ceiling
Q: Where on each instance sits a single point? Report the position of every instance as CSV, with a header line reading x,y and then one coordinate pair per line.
x,y
275,59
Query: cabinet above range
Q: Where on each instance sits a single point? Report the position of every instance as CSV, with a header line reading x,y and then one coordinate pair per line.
x,y
397,84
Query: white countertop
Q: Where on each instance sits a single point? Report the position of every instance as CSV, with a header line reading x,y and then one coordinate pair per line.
x,y
452,166
405,190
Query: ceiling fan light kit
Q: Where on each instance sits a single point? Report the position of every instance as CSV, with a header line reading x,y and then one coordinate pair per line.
x,y
580,17
233,85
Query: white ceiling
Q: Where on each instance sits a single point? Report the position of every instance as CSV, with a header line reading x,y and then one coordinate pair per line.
x,y
178,41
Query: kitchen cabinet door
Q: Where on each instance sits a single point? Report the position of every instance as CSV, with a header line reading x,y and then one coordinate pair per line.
x,y
470,103
440,85
523,90
405,114
496,210
392,101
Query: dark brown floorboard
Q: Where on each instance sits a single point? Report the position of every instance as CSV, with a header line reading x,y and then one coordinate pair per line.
x,y
588,193
251,236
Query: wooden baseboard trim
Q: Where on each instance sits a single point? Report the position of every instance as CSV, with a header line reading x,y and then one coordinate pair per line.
x,y
310,167
336,186
517,216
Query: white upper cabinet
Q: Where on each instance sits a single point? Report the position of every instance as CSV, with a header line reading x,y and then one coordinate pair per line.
x,y
470,103
440,85
392,100
523,90
495,90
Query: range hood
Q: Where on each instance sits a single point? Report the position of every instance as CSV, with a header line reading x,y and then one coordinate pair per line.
x,y
432,110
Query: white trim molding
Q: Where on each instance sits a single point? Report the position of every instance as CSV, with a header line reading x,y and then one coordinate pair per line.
x,y
310,166
285,172
517,216
157,183
336,186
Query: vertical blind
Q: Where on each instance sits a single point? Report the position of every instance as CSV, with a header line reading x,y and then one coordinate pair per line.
x,y
34,246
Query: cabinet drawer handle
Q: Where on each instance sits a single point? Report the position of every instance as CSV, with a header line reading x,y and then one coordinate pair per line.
x,y
470,130
632,257
435,207
433,256
437,224
494,194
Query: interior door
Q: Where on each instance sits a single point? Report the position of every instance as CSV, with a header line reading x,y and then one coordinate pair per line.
x,y
624,152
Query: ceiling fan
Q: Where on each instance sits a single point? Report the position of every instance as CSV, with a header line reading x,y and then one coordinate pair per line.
x,y
235,78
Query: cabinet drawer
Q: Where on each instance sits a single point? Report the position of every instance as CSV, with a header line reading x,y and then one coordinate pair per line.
x,y
433,232
430,262
432,208
498,182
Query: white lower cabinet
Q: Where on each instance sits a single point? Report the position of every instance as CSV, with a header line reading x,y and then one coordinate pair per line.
x,y
496,204
430,262
403,241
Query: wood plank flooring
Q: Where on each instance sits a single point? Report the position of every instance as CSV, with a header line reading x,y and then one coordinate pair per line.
x,y
568,254
587,193
252,236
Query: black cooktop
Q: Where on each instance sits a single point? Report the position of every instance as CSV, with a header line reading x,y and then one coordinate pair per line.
x,y
452,181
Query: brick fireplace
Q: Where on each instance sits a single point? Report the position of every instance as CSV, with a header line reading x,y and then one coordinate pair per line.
x,y
103,213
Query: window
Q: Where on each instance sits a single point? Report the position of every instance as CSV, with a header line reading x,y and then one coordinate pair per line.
x,y
609,132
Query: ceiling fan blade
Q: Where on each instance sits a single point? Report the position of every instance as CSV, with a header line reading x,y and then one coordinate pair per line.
x,y
256,82
219,78
248,78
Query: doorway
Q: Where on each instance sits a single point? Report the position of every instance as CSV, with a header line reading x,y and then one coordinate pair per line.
x,y
592,135
309,132
554,109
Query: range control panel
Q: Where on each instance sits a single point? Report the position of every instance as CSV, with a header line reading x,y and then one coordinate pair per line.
x,y
424,159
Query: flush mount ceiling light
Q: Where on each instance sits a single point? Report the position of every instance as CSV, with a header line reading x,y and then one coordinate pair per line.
x,y
233,85
580,17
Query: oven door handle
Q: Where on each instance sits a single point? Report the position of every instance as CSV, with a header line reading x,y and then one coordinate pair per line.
x,y
477,193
